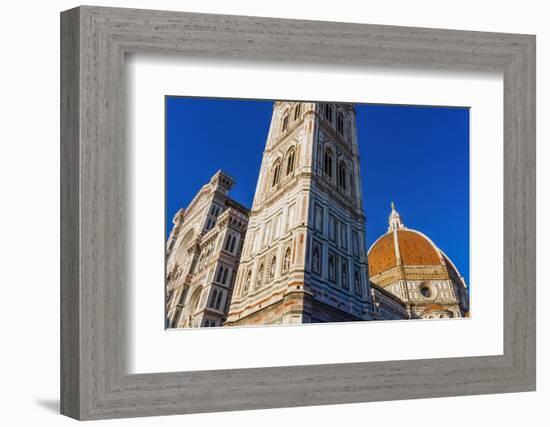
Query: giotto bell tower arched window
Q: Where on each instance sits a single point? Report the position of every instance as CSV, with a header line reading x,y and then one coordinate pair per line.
x,y
297,111
328,113
284,127
342,176
340,123
276,173
290,157
327,166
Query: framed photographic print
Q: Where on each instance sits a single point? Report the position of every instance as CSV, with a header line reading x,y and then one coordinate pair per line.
x,y
298,254
292,213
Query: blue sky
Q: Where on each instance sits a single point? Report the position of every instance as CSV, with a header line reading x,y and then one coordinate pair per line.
x,y
416,156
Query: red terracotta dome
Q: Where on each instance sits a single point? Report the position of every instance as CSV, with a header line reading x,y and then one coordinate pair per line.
x,y
414,249
401,246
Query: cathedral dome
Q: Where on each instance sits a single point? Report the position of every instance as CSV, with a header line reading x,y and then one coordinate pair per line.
x,y
411,251
408,264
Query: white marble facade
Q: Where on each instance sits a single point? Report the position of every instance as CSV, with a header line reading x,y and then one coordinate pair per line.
x,y
203,253
304,258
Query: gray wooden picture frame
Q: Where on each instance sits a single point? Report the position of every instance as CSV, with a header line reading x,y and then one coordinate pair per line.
x,y
94,41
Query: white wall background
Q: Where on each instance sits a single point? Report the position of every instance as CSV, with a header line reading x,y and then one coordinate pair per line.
x,y
29,214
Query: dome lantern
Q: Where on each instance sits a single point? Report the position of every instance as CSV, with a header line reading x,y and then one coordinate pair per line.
x,y
394,220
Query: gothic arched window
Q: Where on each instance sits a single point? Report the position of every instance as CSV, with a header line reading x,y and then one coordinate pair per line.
x,y
328,112
342,173
213,298
224,277
328,163
285,122
340,124
272,267
297,111
276,174
232,245
219,301
286,261
227,243
290,161
220,274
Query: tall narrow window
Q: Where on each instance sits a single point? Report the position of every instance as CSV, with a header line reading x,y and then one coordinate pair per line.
x,y
328,163
340,124
220,274
328,112
342,176
285,122
232,245
297,111
276,173
290,162
227,242
224,277
213,298
218,301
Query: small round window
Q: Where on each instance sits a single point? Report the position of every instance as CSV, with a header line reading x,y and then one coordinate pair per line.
x,y
426,291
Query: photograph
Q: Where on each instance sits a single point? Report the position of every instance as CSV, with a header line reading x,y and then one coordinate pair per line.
x,y
294,212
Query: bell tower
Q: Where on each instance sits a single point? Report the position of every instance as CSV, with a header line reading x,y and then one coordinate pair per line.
x,y
304,258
